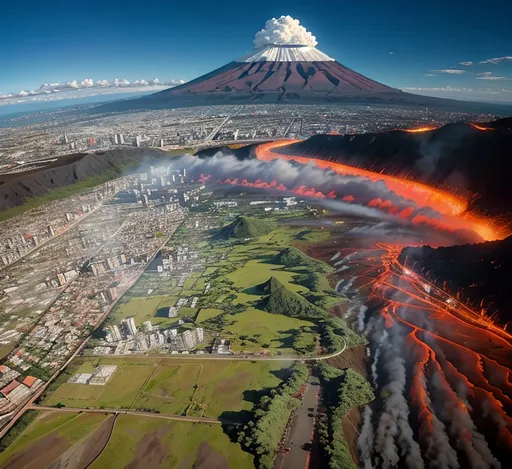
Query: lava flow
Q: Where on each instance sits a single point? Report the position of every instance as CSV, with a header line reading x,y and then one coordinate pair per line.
x,y
441,371
452,208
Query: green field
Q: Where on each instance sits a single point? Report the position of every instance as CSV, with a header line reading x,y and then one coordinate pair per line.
x,y
258,271
174,445
253,329
207,313
146,309
58,429
119,392
173,386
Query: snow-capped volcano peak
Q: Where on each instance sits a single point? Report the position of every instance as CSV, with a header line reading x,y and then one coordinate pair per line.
x,y
286,53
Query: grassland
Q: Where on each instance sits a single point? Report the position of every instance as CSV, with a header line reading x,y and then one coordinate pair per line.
x,y
172,386
207,313
58,429
173,445
255,329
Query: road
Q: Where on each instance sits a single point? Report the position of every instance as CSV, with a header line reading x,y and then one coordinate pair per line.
x,y
183,418
280,358
302,428
17,414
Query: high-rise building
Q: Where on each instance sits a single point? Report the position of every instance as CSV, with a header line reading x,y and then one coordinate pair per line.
x,y
140,342
92,141
129,325
115,333
189,339
121,139
147,326
200,334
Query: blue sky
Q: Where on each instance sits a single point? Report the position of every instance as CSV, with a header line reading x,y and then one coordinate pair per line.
x,y
396,42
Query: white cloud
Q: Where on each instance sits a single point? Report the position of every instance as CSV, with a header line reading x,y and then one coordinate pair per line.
x,y
489,76
496,60
53,91
284,30
391,53
492,78
86,83
430,75
466,64
450,71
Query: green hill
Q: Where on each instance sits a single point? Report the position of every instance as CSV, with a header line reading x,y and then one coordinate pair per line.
x,y
280,300
246,227
293,257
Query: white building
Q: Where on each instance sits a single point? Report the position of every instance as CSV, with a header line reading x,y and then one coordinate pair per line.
x,y
115,333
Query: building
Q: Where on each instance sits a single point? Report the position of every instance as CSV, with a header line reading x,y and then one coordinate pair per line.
x,y
128,326
147,326
115,333
140,342
200,334
189,339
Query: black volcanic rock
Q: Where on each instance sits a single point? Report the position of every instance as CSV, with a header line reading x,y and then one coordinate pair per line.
x,y
474,162
480,273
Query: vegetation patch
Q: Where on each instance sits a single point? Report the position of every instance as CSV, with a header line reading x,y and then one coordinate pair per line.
x,y
343,390
246,227
262,434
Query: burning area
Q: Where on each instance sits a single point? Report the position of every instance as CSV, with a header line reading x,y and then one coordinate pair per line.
x,y
441,371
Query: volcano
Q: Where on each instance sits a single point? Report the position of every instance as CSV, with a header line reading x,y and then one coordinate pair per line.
x,y
279,72
285,66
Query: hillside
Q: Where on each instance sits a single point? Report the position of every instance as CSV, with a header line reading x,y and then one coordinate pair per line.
x,y
246,227
293,257
459,156
280,300
479,273
18,188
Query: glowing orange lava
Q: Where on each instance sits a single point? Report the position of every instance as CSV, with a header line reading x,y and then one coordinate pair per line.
x,y
420,129
480,127
452,208
448,348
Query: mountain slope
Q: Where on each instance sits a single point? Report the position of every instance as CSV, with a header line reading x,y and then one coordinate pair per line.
x,y
460,156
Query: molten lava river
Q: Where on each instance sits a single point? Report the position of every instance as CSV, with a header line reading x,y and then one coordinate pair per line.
x,y
441,372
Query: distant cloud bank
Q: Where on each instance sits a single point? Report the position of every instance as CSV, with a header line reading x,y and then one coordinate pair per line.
x,y
86,87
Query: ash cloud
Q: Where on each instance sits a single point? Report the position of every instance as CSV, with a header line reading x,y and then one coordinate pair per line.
x,y
284,30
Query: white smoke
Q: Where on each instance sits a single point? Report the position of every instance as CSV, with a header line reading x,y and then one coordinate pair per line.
x,y
284,30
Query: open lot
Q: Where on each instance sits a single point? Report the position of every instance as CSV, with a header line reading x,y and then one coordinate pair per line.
x,y
48,437
156,443
207,388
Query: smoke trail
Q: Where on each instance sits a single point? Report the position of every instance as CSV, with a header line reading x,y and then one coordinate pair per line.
x,y
366,438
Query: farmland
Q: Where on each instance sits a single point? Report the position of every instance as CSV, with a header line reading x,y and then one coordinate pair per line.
x,y
48,437
172,386
151,442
